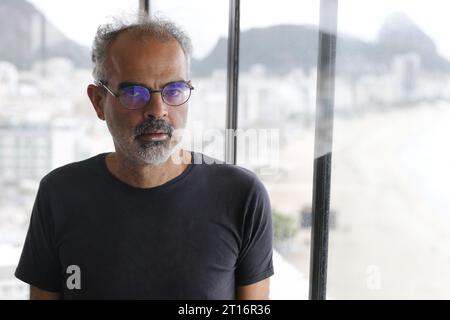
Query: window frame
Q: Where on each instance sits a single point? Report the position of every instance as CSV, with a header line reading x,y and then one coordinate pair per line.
x,y
323,128
323,131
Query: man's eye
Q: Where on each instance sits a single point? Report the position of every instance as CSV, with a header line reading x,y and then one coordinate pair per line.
x,y
132,92
173,92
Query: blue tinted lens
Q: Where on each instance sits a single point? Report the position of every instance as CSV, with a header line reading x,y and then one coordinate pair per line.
x,y
176,93
134,97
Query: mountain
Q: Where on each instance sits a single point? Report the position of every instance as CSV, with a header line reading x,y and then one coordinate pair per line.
x,y
399,35
26,36
278,48
286,47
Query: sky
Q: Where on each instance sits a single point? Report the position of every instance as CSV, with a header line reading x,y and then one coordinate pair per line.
x,y
207,20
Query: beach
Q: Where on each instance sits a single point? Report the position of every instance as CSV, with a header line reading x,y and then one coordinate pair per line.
x,y
389,168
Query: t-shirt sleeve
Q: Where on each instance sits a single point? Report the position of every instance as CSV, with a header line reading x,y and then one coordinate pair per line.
x,y
255,259
39,264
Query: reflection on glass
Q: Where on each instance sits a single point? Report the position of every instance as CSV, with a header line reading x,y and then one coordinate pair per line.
x,y
391,239
46,119
389,210
277,93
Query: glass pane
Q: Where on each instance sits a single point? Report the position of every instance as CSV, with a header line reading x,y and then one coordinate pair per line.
x,y
390,159
277,90
46,118
207,104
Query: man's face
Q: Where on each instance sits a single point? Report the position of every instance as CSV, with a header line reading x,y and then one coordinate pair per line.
x,y
152,63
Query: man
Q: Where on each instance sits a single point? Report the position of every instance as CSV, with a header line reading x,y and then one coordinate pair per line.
x,y
150,220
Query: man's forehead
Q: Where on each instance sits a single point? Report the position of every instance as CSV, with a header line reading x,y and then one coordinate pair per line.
x,y
126,41
130,54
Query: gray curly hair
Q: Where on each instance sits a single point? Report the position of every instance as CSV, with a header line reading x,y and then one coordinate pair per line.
x,y
161,28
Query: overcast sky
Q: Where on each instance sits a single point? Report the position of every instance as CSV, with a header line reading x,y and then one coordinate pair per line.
x,y
207,20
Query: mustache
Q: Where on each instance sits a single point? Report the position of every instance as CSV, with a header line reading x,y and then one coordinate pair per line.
x,y
152,124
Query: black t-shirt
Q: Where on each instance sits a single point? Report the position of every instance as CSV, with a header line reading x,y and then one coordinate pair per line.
x,y
197,236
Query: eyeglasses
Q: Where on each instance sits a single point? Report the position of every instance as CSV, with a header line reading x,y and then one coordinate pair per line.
x,y
137,96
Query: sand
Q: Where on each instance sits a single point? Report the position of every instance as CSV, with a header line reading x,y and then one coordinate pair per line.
x,y
389,177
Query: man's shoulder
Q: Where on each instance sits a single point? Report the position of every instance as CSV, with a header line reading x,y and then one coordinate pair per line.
x,y
72,172
236,185
229,174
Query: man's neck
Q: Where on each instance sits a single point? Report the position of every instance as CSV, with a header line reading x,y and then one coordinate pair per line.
x,y
146,176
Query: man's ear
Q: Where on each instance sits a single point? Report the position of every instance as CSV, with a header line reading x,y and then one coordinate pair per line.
x,y
97,99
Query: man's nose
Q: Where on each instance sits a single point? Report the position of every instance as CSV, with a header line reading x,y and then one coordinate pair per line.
x,y
156,107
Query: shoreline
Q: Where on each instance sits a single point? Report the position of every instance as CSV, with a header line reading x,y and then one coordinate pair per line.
x,y
391,241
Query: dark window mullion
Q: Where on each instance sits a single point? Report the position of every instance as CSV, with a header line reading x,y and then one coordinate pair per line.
x,y
144,5
232,82
323,148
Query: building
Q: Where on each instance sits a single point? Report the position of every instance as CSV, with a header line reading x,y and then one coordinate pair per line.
x,y
30,149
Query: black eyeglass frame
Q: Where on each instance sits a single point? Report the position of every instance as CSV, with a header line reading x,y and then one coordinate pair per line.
x,y
103,84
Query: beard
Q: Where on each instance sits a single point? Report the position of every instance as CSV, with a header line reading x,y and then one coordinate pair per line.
x,y
149,152
155,152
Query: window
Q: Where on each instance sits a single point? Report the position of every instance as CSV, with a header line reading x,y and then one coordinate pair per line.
x,y
207,104
277,96
388,218
390,157
45,116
